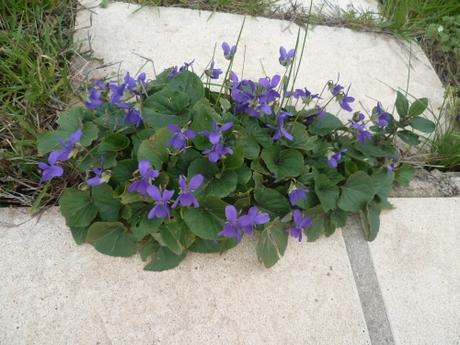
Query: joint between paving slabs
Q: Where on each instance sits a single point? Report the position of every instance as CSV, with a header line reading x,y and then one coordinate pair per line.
x,y
365,277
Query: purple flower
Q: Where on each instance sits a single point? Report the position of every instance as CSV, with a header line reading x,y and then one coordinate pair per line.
x,y
229,52
94,99
130,82
134,117
212,72
335,159
186,197
383,118
304,93
232,227
253,98
393,165
218,151
300,223
345,100
280,130
179,140
50,170
147,174
118,92
215,135
67,146
252,218
363,134
336,89
297,195
97,179
286,57
161,208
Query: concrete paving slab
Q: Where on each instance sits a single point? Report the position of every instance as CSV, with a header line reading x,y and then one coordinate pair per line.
x,y
417,261
55,292
125,35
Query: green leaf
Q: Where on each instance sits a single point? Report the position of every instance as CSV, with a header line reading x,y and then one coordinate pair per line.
x,y
124,170
202,116
114,142
171,234
327,192
144,226
272,243
111,238
408,137
79,233
418,107
77,208
236,160
372,150
382,180
302,140
253,129
324,125
250,145
49,141
204,167
148,248
205,246
154,148
356,192
105,203
164,260
372,221
283,163
272,201
166,107
404,174
220,186
422,124
206,221
188,83
402,105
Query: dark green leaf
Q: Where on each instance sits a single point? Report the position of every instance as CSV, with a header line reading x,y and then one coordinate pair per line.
x,y
206,221
171,233
418,107
188,83
164,260
422,124
105,203
220,186
144,226
382,180
404,174
302,140
111,238
327,192
79,233
402,105
372,221
272,201
114,142
272,243
324,125
77,207
124,170
356,192
408,137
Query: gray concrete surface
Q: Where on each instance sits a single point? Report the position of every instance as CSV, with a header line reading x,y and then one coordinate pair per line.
x,y
55,292
124,36
417,261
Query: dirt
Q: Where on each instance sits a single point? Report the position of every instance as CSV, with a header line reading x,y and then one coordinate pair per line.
x,y
430,184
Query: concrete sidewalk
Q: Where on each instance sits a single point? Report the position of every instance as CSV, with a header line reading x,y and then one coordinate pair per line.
x,y
326,292
130,38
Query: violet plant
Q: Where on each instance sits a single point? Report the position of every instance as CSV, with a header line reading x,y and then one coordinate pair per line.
x,y
170,166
